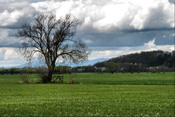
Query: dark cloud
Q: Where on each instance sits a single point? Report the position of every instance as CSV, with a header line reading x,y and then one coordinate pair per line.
x,y
127,39
13,14
171,1
157,18
8,38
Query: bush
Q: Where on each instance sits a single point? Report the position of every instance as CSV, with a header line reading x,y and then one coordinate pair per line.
x,y
24,76
63,69
73,78
2,71
12,70
43,74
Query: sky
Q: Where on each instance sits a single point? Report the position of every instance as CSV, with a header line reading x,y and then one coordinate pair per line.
x,y
109,28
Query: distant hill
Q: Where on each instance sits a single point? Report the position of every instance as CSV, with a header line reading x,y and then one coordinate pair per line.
x,y
88,62
36,63
149,58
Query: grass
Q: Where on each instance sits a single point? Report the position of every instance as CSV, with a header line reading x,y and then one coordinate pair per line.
x,y
125,79
92,95
86,100
105,78
17,78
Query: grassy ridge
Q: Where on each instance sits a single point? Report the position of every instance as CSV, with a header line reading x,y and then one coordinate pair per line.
x,y
86,100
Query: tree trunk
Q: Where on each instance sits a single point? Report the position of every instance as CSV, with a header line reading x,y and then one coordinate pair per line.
x,y
50,72
49,77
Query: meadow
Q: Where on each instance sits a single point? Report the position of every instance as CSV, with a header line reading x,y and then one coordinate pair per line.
x,y
93,94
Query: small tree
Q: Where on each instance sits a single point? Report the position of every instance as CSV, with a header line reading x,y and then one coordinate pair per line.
x,y
112,67
53,40
63,69
12,70
2,71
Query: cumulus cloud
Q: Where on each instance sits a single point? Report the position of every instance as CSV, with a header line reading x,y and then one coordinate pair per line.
x,y
9,57
109,27
100,15
116,22
15,13
112,15
101,20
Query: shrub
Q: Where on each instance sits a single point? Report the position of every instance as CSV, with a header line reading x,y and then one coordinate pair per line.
x,y
73,77
43,74
24,76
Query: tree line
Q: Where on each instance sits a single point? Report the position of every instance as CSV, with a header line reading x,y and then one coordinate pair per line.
x,y
138,62
35,70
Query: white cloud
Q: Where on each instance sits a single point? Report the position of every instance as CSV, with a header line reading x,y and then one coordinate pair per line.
x,y
105,54
15,13
100,15
9,57
10,54
88,41
150,43
164,36
8,18
108,15
172,35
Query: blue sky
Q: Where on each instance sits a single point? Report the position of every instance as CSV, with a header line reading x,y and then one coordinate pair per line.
x,y
110,28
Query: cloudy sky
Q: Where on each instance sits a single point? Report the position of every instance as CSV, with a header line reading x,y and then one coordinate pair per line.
x,y
110,28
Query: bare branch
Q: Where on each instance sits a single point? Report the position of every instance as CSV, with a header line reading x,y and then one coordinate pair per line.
x,y
53,39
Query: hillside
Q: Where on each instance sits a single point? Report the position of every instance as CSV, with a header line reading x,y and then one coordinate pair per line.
x,y
149,59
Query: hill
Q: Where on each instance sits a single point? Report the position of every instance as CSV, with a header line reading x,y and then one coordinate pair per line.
x,y
148,59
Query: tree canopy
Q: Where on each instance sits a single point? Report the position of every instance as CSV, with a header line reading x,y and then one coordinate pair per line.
x,y
112,67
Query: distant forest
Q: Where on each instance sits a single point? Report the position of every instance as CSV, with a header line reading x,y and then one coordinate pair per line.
x,y
144,61
150,59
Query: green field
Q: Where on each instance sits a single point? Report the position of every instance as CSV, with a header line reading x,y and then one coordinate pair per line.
x,y
93,94
105,78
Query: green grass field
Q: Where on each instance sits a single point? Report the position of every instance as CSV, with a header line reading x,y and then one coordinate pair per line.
x,y
92,94
105,78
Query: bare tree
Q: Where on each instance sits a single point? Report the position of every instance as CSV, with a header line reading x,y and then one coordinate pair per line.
x,y
53,39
